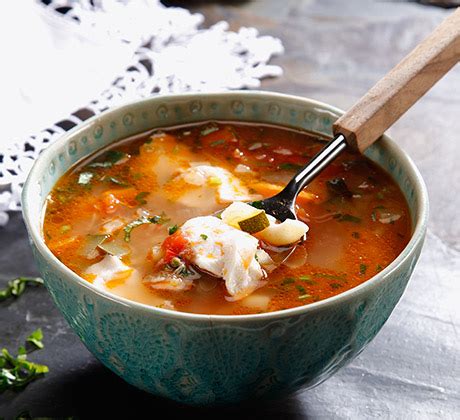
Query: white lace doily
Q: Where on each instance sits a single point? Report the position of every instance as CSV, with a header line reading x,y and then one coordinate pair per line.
x,y
172,55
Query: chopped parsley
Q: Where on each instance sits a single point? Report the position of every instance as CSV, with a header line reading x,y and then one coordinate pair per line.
x,y
347,218
302,292
204,237
17,286
140,198
17,372
356,235
288,280
289,166
330,276
116,181
307,279
156,220
36,338
379,267
362,269
173,229
110,158
65,228
257,204
216,143
208,130
301,289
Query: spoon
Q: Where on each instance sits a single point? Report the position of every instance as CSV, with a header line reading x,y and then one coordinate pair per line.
x,y
378,109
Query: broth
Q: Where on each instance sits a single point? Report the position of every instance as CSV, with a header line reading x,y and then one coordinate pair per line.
x,y
128,199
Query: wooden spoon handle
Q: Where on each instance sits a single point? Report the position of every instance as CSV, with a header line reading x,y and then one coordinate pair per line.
x,y
393,95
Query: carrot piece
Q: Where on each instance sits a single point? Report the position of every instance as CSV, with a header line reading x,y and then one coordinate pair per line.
x,y
112,198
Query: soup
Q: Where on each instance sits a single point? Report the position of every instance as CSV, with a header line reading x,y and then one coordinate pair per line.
x,y
125,217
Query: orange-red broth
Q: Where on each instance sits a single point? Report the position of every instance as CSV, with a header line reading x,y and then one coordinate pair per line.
x,y
355,231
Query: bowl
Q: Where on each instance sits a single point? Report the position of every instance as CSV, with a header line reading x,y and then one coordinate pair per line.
x,y
211,359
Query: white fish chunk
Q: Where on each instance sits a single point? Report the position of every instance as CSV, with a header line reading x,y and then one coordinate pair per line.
x,y
168,281
228,187
225,252
109,268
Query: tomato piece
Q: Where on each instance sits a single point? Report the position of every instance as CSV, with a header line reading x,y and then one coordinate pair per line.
x,y
173,246
108,203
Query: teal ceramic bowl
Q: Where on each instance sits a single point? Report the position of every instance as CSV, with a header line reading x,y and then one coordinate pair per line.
x,y
211,359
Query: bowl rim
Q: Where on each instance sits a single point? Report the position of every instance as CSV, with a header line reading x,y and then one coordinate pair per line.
x,y
35,235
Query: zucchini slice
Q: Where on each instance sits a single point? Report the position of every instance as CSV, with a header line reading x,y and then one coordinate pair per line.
x,y
255,223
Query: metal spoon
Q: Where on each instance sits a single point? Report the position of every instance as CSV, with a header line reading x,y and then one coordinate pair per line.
x,y
378,109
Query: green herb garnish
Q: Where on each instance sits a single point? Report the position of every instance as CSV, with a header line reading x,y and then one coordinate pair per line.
x,y
65,228
156,220
175,262
110,158
36,338
289,166
288,280
356,235
217,143
335,285
17,372
115,181
140,198
330,276
301,289
173,229
203,236
85,178
347,218
378,268
362,269
208,130
257,204
307,279
17,286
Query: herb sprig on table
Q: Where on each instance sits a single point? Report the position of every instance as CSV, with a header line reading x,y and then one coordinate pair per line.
x,y
17,372
16,287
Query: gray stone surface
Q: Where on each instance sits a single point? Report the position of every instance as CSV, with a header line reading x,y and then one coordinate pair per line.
x,y
335,51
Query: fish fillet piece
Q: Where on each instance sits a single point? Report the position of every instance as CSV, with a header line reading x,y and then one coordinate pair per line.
x,y
225,252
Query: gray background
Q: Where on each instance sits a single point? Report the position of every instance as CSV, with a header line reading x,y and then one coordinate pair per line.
x,y
335,51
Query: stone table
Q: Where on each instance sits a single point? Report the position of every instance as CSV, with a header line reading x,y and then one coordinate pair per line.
x,y
335,51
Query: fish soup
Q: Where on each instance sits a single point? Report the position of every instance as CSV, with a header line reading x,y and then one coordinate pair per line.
x,y
162,219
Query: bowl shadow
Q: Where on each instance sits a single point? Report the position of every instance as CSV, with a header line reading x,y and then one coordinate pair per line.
x,y
96,392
